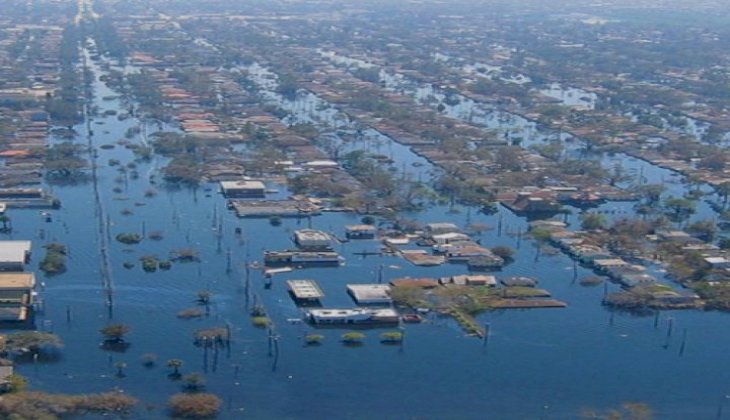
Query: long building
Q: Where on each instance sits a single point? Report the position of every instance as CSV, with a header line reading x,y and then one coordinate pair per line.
x,y
361,316
370,294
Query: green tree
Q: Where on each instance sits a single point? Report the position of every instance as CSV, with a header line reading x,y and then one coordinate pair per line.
x,y
32,341
194,406
114,333
313,339
652,192
703,229
63,160
679,208
353,337
592,221
503,252
193,382
724,243
18,382
724,191
175,365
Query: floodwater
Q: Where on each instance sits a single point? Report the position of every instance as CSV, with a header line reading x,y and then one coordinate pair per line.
x,y
537,363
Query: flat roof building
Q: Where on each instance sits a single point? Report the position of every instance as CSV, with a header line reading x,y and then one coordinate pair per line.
x,y
14,255
305,290
472,280
312,239
360,231
243,189
365,294
353,316
447,238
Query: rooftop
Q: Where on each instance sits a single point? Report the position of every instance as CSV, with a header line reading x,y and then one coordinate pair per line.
x,y
305,289
370,293
441,226
17,280
14,251
311,235
425,283
474,279
357,228
243,184
609,262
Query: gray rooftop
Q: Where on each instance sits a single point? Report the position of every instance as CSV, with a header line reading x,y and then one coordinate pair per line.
x,y
14,251
305,289
370,293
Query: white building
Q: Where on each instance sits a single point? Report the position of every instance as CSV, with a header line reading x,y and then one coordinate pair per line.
x,y
369,294
447,238
312,239
14,255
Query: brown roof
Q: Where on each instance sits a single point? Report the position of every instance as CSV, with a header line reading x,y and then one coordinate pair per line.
x,y
425,283
17,280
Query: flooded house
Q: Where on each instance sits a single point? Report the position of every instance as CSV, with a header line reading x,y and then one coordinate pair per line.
x,y
17,296
312,239
370,294
14,255
470,280
448,238
432,229
533,202
305,291
360,231
243,189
